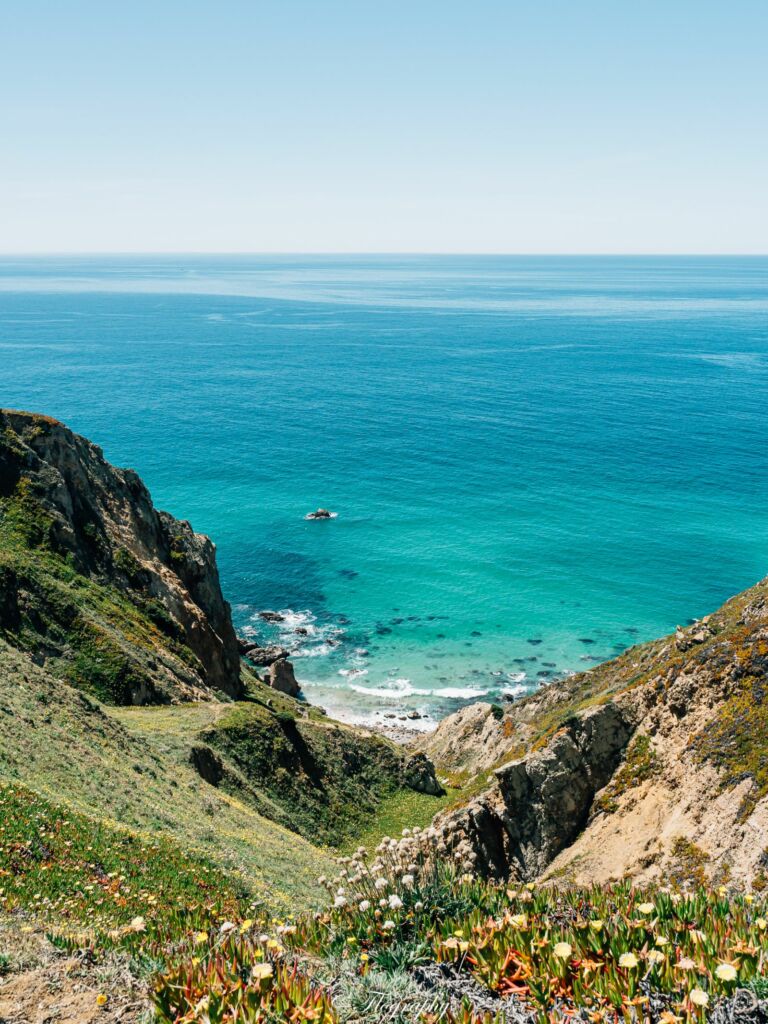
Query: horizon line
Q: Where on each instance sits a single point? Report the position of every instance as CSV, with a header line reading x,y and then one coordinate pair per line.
x,y
373,252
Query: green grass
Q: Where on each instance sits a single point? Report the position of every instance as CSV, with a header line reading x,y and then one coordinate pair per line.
x,y
404,809
66,746
328,780
88,876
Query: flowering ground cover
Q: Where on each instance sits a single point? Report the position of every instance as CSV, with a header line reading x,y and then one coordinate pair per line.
x,y
613,953
406,934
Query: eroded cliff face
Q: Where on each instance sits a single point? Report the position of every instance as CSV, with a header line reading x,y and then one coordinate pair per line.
x,y
654,765
96,583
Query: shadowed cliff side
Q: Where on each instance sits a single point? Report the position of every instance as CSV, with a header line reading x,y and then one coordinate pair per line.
x,y
95,583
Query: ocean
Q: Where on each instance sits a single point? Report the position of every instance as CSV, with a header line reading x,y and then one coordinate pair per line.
x,y
535,462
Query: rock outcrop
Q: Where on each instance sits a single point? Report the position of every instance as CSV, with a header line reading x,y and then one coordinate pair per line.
x,y
419,774
105,589
282,678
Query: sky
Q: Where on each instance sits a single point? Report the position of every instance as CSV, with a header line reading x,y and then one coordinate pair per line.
x,y
384,126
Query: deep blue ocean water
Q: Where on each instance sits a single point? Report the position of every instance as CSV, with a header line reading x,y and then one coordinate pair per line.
x,y
535,461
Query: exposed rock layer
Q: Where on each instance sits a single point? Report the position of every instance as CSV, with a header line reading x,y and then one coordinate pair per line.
x,y
96,581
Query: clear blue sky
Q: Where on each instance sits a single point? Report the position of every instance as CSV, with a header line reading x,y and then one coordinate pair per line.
x,y
380,125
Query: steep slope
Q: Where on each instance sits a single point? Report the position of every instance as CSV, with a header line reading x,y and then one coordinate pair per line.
x,y
110,609
62,743
115,596
654,764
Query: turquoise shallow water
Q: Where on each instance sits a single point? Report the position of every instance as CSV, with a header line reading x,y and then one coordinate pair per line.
x,y
535,461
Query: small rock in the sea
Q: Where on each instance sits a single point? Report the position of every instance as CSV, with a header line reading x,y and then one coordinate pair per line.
x,y
271,616
475,632
321,513
413,715
586,640
534,641
301,631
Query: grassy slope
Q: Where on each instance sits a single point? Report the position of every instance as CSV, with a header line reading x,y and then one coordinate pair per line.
x,y
64,745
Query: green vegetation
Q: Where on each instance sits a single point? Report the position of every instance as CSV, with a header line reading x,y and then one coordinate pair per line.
x,y
101,880
98,637
601,952
736,741
128,766
319,778
404,808
638,765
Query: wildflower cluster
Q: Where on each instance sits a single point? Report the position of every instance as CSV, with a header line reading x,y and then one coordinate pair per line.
x,y
239,976
98,885
609,949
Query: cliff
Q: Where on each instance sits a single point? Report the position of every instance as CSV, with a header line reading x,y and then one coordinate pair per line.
x,y
653,765
107,591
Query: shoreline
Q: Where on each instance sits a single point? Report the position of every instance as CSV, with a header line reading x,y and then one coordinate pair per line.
x,y
399,730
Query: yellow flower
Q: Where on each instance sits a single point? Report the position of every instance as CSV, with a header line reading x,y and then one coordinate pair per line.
x,y
662,940
628,960
519,920
761,923
260,972
200,938
596,925
246,926
101,1000
726,972
749,898
646,908
655,956
698,997
563,950
364,958
351,940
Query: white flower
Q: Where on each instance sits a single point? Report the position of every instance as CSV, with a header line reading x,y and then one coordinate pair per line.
x,y
698,997
563,950
365,906
341,892
628,960
407,881
726,972
646,908
418,907
381,883
655,956
340,901
226,927
395,902
388,926
383,901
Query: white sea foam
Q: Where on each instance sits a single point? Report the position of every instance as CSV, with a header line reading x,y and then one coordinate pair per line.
x,y
353,673
398,688
459,692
